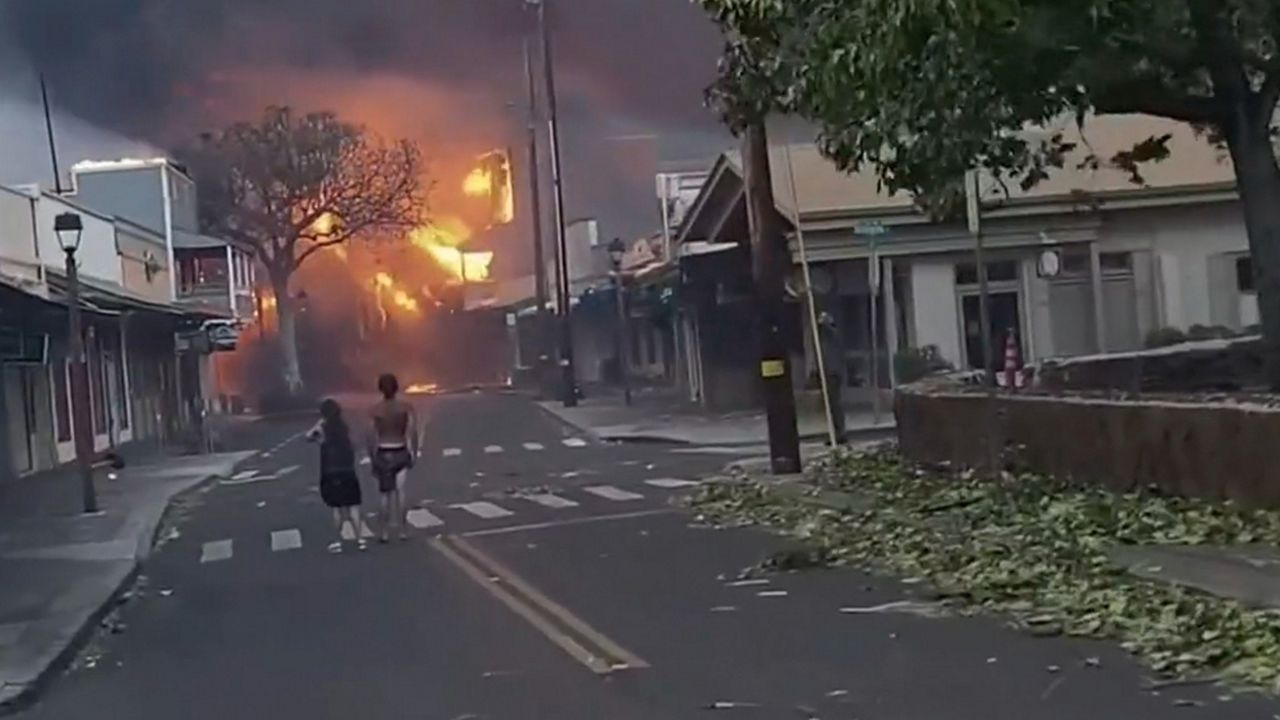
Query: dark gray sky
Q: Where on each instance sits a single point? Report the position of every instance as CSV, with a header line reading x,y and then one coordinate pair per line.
x,y
446,72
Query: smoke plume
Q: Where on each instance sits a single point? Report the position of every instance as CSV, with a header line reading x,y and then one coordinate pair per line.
x,y
447,73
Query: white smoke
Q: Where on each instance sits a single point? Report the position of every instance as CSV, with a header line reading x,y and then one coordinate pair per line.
x,y
24,144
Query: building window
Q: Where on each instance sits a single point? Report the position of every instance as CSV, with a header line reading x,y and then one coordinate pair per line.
x,y
97,389
1244,275
997,271
61,401
1116,262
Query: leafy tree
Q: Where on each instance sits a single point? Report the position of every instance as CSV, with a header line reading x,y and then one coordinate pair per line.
x,y
291,185
923,90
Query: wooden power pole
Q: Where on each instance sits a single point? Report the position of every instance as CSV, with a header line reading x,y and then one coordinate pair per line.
x,y
770,261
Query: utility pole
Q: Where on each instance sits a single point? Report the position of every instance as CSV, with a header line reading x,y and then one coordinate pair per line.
x,y
770,260
542,332
569,384
973,208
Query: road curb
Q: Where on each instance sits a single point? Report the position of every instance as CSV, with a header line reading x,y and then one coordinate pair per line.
x,y
26,695
567,423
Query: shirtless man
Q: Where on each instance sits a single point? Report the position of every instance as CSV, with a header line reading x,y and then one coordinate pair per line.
x,y
393,448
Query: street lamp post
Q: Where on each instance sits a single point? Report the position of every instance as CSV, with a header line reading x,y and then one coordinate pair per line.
x,y
69,227
568,374
617,250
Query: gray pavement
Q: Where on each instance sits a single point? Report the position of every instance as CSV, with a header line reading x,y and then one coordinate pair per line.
x,y
549,575
69,567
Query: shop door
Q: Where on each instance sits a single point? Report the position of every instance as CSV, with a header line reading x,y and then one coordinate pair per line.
x,y
1005,319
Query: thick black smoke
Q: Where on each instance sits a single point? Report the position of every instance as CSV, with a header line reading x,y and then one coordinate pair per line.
x,y
162,70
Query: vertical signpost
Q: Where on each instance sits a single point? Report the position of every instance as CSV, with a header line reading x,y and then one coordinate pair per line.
x,y
973,211
873,231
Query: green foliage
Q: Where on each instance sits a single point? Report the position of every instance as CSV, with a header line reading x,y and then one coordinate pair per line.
x,y
913,364
924,90
1164,337
1033,549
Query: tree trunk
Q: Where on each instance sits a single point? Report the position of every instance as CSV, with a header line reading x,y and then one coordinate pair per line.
x,y
1259,183
286,320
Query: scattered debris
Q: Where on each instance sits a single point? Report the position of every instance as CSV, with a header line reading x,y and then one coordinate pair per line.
x,y
907,607
1092,662
166,592
724,609
1054,668
730,705
771,593
992,660
262,503
749,582
837,693
499,673
1184,702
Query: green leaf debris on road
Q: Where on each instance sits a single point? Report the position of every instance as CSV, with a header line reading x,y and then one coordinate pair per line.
x,y
1031,548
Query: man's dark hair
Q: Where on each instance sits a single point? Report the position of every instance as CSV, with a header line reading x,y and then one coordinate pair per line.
x,y
388,385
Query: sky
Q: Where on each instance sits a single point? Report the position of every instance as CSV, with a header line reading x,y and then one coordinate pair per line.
x,y
130,76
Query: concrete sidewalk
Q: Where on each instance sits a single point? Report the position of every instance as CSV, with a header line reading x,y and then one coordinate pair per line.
x,y
65,570
661,416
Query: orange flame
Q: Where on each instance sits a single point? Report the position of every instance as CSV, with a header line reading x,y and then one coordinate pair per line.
x,y
442,240
478,183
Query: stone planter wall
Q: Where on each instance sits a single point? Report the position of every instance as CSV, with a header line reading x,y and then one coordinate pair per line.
x,y
1213,450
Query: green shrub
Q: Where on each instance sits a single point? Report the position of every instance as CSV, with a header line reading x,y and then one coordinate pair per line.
x,y
913,364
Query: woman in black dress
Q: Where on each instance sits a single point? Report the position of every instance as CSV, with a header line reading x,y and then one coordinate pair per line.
x,y
339,484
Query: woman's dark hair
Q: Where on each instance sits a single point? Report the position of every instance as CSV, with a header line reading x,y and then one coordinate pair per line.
x,y
388,385
335,428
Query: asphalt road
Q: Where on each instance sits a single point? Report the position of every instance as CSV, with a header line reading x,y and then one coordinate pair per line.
x,y
549,577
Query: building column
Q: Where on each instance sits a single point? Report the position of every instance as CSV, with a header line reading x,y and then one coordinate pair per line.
x,y
1099,312
890,318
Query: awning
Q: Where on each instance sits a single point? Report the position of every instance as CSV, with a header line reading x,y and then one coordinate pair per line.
x,y
701,247
107,299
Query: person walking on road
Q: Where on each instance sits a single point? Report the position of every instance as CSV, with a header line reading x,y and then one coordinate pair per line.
x,y
339,484
393,448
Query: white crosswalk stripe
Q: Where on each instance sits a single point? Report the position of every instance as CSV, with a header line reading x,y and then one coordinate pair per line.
x,y
365,531
575,442
670,483
609,492
216,551
452,452
484,510
287,470
549,500
423,519
282,540
534,446
492,449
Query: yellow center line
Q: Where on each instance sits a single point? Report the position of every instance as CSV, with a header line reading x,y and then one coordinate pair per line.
x,y
533,595
563,641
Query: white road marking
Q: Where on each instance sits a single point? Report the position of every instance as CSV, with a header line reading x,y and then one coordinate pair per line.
x,y
492,449
286,470
534,446
549,500
365,531
244,474
452,452
571,521
286,540
575,442
423,519
670,483
609,492
249,480
485,510
216,550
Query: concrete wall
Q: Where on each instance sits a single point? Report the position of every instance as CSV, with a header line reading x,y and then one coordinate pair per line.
x,y
134,246
19,252
97,254
133,194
